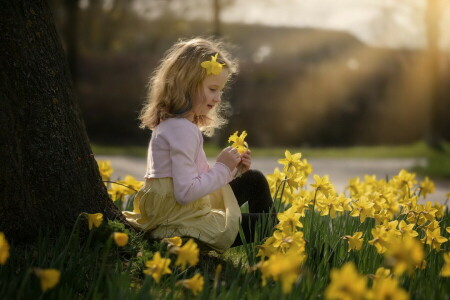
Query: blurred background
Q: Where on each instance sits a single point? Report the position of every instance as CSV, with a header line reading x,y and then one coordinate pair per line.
x,y
313,73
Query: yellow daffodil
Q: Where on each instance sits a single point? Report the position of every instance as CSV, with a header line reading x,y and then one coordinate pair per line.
x,y
238,141
434,238
387,288
404,254
212,66
173,241
157,267
104,166
440,209
381,273
355,241
285,240
188,254
445,271
363,208
267,248
355,187
323,185
447,229
275,180
4,249
329,205
346,283
94,220
291,160
282,267
120,238
407,229
195,284
49,277
289,220
133,184
118,192
427,187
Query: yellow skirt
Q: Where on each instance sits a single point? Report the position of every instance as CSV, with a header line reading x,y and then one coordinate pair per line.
x,y
213,219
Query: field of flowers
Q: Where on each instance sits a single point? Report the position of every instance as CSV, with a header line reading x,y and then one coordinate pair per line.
x,y
375,240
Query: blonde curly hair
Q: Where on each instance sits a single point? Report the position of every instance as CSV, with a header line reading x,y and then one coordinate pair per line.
x,y
178,79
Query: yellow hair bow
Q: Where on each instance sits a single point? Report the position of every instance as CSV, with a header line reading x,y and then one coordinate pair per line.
x,y
212,66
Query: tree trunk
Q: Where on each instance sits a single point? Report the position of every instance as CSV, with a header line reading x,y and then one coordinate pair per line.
x,y
48,174
71,36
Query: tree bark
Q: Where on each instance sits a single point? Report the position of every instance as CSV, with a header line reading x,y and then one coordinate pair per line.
x,y
48,174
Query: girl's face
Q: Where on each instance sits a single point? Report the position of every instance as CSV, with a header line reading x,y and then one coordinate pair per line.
x,y
210,93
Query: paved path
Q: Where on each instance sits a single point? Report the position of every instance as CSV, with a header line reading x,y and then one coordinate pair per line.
x,y
340,170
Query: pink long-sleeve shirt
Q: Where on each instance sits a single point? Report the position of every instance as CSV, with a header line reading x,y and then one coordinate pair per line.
x,y
176,151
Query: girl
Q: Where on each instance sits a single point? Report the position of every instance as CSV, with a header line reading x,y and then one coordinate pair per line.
x,y
182,195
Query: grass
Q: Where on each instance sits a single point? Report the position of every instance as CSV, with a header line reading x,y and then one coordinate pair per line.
x,y
93,267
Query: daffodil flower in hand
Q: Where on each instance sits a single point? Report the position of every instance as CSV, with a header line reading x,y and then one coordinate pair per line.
x,y
239,143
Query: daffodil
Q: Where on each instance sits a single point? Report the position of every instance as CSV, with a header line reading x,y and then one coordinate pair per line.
x,y
387,288
291,160
381,273
407,229
289,220
49,277
195,284
188,254
238,141
329,205
4,249
104,166
284,268
427,187
212,66
323,184
275,180
355,241
445,271
363,208
286,240
173,241
94,220
355,187
346,283
404,254
120,238
132,184
157,267
434,238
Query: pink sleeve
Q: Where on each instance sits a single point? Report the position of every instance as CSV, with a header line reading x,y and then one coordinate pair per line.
x,y
188,184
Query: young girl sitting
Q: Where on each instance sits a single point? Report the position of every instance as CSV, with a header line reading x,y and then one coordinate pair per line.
x,y
182,195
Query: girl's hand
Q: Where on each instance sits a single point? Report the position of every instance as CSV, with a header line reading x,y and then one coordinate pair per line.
x,y
229,157
246,161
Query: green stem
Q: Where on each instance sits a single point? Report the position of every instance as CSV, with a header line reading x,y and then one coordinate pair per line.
x,y
127,186
22,285
102,267
64,252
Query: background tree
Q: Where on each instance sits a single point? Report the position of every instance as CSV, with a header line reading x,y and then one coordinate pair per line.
x,y
48,174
